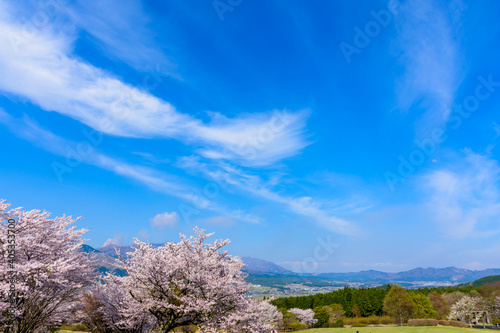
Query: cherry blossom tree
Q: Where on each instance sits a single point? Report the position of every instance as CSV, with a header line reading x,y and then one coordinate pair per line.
x,y
254,316
192,283
107,308
304,316
47,273
89,312
497,306
467,307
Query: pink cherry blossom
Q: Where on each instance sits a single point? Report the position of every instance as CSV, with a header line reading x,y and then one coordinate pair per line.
x,y
304,316
50,271
192,283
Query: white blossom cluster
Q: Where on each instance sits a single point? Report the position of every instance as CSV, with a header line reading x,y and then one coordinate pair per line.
x,y
50,271
467,307
304,316
186,284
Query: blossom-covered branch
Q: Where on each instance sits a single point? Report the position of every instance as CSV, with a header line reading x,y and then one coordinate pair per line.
x,y
50,270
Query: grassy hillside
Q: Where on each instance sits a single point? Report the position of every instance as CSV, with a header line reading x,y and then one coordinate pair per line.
x,y
396,329
486,280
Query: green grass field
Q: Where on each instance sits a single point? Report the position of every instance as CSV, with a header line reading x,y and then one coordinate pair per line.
x,y
388,329
396,329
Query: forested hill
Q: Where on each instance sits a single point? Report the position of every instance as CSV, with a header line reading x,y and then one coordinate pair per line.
x,y
486,280
369,301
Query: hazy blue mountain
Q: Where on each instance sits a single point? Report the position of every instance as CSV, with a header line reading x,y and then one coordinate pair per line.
x,y
447,274
254,265
102,261
88,249
110,249
260,270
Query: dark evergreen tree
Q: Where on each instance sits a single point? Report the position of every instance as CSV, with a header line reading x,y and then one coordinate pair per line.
x,y
363,302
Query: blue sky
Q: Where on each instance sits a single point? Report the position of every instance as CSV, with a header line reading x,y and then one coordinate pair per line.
x,y
323,136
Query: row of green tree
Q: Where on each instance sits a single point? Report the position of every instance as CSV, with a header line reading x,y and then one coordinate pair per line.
x,y
364,302
394,305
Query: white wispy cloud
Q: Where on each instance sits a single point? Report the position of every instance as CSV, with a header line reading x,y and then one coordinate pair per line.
x,y
152,158
255,140
254,185
143,235
464,198
428,48
26,128
29,130
350,194
481,258
120,28
165,220
43,69
116,240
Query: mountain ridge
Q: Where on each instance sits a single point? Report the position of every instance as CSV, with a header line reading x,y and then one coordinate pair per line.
x,y
105,257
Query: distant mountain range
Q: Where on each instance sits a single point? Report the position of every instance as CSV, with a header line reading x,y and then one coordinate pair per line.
x,y
254,265
104,258
450,275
